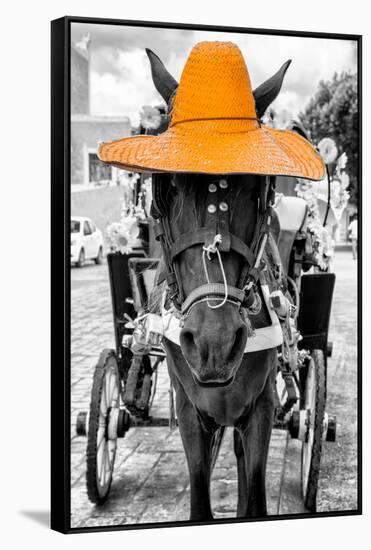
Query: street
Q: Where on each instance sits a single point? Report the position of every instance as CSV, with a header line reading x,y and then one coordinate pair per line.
x,y
151,480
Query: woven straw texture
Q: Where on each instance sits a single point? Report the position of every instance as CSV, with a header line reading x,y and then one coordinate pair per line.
x,y
214,130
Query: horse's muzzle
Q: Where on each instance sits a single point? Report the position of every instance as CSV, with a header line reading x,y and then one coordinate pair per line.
x,y
213,343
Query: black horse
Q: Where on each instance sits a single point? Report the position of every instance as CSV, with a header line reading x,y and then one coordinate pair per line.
x,y
217,384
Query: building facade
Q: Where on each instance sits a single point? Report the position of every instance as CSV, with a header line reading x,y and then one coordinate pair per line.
x,y
87,130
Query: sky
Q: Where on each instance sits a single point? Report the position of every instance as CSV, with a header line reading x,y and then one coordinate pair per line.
x,y
121,78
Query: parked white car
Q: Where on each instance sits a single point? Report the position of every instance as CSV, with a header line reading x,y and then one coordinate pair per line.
x,y
86,241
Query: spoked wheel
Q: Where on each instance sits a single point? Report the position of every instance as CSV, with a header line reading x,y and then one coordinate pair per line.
x,y
102,439
315,403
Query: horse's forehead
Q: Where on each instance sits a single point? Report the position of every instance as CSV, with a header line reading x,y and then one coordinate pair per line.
x,y
195,195
196,187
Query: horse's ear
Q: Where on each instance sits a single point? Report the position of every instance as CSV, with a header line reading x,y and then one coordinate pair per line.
x,y
269,90
297,127
165,84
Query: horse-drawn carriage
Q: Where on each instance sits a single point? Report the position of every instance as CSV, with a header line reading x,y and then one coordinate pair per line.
x,y
272,348
125,378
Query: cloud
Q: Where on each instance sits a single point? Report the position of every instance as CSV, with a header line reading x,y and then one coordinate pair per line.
x,y
127,93
108,41
288,100
120,73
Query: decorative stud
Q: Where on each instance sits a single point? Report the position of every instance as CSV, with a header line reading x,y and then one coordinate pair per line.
x,y
223,206
211,208
212,187
223,184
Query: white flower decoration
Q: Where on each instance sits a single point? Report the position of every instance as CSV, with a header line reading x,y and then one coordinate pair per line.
x,y
328,150
322,245
344,178
122,235
150,117
342,162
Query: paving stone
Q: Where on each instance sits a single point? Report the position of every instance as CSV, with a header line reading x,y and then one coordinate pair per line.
x,y
224,497
161,513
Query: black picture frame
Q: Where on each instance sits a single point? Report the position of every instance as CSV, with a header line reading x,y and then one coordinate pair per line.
x,y
60,266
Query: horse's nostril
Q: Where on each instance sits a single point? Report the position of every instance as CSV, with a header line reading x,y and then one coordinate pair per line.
x,y
188,338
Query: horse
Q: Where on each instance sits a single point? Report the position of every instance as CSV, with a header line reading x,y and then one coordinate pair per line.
x,y
217,384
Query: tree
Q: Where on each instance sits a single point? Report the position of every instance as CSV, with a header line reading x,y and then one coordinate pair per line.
x,y
333,112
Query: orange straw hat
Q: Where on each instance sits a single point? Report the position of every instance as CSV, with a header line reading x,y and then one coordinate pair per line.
x,y
214,127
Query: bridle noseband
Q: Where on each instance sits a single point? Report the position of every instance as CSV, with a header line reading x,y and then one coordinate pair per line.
x,y
214,237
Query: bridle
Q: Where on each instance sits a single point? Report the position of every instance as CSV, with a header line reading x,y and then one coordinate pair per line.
x,y
215,238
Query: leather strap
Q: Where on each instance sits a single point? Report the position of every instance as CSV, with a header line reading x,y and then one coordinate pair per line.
x,y
239,246
204,235
212,290
223,218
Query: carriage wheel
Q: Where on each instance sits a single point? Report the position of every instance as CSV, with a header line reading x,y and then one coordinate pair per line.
x,y
101,448
315,402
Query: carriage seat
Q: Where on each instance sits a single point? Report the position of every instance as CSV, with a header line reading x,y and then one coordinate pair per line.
x,y
292,214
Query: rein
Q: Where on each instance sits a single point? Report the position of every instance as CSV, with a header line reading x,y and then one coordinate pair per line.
x,y
214,238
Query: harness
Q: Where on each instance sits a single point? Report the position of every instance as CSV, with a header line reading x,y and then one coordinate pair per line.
x,y
215,238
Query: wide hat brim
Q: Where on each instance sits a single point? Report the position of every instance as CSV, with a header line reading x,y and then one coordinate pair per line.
x,y
197,148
